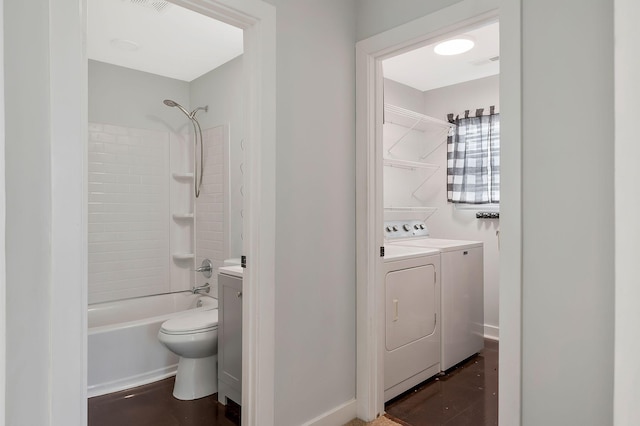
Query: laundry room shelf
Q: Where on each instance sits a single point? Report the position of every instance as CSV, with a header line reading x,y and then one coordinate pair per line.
x,y
182,176
183,216
412,120
408,213
183,256
409,165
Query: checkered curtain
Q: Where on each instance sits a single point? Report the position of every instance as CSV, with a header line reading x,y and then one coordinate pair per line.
x,y
473,159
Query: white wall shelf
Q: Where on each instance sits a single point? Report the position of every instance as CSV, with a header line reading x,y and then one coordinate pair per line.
x,y
409,165
412,120
408,213
182,176
183,256
183,216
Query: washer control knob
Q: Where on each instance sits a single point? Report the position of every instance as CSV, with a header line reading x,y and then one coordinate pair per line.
x,y
406,227
416,226
388,228
395,228
421,226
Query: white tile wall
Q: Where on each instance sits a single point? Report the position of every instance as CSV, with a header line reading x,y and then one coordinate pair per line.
x,y
210,213
129,245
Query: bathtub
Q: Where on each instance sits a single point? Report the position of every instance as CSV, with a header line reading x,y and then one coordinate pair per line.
x,y
122,344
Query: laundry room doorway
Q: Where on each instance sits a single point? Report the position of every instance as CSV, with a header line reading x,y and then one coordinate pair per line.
x,y
397,140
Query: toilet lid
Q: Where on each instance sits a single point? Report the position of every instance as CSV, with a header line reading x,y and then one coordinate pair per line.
x,y
193,322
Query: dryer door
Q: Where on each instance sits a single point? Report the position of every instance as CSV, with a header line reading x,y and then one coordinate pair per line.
x,y
411,300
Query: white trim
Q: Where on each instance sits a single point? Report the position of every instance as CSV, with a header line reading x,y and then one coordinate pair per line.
x,y
369,217
69,236
491,332
3,278
68,303
338,416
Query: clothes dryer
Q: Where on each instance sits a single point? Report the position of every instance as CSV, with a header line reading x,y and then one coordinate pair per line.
x,y
411,318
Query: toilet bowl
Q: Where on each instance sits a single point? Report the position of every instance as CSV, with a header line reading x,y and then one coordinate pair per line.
x,y
194,338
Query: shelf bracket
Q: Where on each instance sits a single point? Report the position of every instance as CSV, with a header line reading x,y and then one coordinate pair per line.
x,y
413,194
433,150
403,136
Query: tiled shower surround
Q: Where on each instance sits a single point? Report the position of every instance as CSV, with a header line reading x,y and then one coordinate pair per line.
x,y
139,239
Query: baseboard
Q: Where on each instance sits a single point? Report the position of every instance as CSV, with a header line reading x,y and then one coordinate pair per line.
x,y
132,382
491,332
338,416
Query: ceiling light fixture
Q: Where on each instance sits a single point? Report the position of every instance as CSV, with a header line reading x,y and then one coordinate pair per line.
x,y
454,46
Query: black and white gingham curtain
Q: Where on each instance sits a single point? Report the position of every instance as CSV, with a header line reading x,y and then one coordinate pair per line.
x,y
473,159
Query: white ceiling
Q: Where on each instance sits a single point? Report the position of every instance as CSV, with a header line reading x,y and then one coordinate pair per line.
x,y
424,70
172,41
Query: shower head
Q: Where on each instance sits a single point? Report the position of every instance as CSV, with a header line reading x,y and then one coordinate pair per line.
x,y
170,103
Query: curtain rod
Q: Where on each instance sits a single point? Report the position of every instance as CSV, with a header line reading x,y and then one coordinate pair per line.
x,y
479,113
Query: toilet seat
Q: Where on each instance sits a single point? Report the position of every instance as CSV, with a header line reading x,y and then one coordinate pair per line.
x,y
197,322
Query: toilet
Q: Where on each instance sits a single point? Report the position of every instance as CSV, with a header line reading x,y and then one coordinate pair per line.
x,y
194,338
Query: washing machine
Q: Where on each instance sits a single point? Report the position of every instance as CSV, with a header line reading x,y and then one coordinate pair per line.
x,y
462,288
411,318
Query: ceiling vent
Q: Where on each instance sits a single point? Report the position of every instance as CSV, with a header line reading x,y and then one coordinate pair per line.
x,y
157,5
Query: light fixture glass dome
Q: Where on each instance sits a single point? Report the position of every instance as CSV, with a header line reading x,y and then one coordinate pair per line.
x,y
454,46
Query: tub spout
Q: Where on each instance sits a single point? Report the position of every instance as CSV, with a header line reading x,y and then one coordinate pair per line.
x,y
200,289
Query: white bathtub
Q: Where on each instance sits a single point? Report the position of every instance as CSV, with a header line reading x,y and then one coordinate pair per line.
x,y
123,347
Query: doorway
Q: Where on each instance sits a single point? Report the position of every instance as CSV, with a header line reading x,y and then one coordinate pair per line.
x,y
370,106
68,141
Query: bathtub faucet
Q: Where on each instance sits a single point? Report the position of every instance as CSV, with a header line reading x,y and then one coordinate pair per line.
x,y
203,288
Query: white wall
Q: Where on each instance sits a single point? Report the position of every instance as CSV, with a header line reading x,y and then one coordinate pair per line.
x,y
132,98
315,225
3,275
627,91
221,89
568,212
28,198
447,221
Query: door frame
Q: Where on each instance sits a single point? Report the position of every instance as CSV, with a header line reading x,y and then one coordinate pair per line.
x,y
69,236
369,202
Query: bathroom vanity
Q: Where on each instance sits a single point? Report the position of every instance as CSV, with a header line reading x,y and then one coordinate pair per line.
x,y
230,334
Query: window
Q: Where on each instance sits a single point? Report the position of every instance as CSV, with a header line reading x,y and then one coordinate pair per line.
x,y
473,159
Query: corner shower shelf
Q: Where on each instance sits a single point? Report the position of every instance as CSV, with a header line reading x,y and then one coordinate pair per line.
x,y
183,216
182,176
183,256
409,213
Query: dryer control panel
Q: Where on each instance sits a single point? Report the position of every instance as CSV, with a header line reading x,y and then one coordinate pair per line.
x,y
394,229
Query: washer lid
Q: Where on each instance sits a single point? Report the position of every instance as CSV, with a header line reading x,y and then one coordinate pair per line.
x,y
398,252
192,322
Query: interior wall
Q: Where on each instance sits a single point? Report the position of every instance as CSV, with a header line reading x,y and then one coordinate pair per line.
x,y
377,16
449,221
28,214
627,107
315,301
131,98
221,89
568,265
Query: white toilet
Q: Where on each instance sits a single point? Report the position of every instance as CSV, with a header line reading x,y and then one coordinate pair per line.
x,y
194,338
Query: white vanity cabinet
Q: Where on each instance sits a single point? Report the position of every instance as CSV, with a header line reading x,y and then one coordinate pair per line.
x,y
230,335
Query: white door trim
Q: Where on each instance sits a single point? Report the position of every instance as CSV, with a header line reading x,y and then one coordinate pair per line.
x,y
68,78
369,211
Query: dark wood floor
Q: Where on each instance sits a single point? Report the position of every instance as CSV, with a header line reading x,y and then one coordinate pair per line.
x,y
154,405
466,396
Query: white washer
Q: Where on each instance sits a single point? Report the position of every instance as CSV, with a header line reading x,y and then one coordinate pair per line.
x,y
412,317
462,292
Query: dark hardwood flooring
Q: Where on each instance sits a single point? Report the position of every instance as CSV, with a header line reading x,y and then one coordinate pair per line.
x,y
467,395
154,405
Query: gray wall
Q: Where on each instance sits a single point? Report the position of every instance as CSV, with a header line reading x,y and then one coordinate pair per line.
x,y
315,207
222,90
568,213
131,98
376,16
28,202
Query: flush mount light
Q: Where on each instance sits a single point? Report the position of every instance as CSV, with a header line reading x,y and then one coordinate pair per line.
x,y
128,45
454,46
